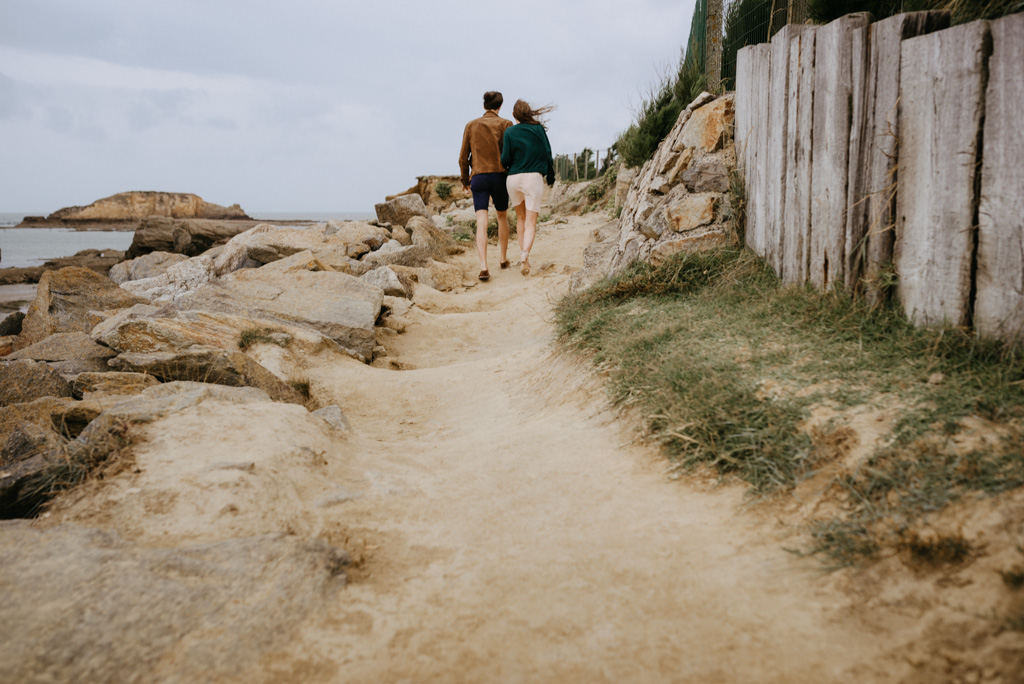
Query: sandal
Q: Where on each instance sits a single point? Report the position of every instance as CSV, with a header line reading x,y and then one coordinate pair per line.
x,y
484,275
504,264
524,268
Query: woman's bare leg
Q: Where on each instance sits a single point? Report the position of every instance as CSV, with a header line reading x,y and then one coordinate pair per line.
x,y
528,233
503,235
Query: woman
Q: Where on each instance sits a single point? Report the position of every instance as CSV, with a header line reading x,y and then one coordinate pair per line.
x,y
526,153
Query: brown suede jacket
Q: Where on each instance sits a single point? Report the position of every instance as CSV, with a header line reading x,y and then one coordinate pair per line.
x,y
481,145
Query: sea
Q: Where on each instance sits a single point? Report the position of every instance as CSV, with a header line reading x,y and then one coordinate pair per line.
x,y
22,247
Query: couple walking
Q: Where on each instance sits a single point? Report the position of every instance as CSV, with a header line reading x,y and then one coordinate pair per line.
x,y
510,164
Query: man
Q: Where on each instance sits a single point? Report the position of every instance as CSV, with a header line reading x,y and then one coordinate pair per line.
x,y
481,150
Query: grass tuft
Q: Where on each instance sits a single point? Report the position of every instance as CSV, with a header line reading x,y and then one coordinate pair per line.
x,y
252,336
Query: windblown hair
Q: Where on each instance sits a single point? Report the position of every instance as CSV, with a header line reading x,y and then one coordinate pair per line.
x,y
493,99
524,113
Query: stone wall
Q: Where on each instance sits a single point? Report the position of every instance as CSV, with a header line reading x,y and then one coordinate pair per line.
x,y
863,144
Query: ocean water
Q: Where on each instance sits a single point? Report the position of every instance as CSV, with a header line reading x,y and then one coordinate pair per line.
x,y
21,247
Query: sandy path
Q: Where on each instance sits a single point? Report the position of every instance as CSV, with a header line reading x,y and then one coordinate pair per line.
x,y
510,532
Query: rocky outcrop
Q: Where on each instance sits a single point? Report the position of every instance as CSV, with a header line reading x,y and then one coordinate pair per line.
x,y
399,210
430,189
188,237
69,300
178,279
265,244
679,199
137,205
111,383
68,353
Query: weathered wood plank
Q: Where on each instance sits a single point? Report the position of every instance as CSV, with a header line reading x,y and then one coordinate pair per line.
x,y
757,144
942,79
835,53
799,124
775,158
871,216
999,310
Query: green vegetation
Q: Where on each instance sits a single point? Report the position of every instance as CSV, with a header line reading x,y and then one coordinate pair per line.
x,y
961,11
443,189
465,231
251,336
725,366
658,111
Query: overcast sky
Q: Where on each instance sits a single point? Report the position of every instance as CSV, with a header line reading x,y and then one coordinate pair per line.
x,y
301,105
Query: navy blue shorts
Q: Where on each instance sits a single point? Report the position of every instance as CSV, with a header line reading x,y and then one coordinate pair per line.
x,y
487,186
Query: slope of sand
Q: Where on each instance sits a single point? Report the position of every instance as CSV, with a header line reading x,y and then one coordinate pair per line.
x,y
506,526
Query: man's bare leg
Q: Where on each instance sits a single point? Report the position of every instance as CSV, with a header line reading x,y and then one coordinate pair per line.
x,y
481,237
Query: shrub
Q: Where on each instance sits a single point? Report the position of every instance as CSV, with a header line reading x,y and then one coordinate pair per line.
x,y
443,189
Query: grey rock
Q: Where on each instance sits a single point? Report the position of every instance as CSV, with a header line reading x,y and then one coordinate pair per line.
x,y
399,210
394,254
334,417
146,266
387,280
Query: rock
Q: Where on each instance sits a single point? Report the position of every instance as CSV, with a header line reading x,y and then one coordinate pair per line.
x,y
68,353
111,322
622,182
42,426
175,396
99,260
66,301
691,243
397,306
426,234
401,236
394,254
387,280
92,606
209,365
679,195
112,383
444,276
11,324
25,380
7,343
427,188
356,232
180,330
597,258
295,289
266,244
176,281
399,210
188,237
146,266
334,417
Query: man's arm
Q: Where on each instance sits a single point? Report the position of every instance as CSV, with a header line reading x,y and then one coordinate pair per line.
x,y
464,157
506,150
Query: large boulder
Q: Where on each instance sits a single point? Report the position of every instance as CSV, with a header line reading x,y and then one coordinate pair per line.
x,y
399,210
91,606
426,234
146,266
207,364
437,192
11,324
679,200
266,244
386,279
355,232
188,237
26,380
393,253
300,290
67,353
68,301
177,280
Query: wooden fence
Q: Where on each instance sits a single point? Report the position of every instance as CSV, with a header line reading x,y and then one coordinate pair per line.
x,y
895,144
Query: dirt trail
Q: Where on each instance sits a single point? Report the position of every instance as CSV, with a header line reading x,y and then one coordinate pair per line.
x,y
510,531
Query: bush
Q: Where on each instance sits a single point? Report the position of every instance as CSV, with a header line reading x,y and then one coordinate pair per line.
x,y
443,189
962,11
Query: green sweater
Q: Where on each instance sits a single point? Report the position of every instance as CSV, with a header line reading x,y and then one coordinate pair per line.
x,y
525,149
